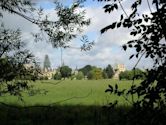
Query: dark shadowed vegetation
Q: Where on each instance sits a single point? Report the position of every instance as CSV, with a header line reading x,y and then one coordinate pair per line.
x,y
78,115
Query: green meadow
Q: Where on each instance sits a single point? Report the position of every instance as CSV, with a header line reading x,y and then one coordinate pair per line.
x,y
72,102
70,92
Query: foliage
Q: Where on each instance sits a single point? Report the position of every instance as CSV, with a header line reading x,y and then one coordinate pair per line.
x,y
61,115
90,75
131,74
16,63
59,32
65,71
79,76
104,74
75,114
58,76
149,34
109,71
47,63
86,69
95,73
92,72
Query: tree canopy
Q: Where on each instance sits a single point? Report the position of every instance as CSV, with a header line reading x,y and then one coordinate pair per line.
x,y
95,73
61,31
130,74
65,71
86,69
109,71
16,63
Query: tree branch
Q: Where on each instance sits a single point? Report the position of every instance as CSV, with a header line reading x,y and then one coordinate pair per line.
x,y
20,14
122,8
149,6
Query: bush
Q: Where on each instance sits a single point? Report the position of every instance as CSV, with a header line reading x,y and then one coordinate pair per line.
x,y
80,75
65,71
129,74
90,75
58,76
95,73
104,74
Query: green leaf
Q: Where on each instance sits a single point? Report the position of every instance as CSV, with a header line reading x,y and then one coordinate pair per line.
x,y
110,89
121,17
116,6
116,86
124,47
119,24
131,56
130,45
112,26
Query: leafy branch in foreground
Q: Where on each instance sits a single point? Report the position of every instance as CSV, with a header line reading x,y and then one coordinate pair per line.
x,y
68,24
149,40
14,75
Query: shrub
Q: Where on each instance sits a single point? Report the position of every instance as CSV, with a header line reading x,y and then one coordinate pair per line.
x,y
58,76
80,75
129,74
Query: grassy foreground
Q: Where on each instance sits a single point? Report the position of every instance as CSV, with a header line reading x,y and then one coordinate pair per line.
x,y
74,103
70,92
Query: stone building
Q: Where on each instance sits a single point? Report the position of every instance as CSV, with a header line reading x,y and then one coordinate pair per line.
x,y
118,69
48,73
121,67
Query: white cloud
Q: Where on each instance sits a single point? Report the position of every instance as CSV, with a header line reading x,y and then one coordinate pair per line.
x,y
107,48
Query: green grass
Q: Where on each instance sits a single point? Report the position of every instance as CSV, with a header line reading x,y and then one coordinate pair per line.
x,y
71,92
61,115
76,103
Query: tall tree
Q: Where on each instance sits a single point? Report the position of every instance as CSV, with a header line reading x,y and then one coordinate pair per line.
x,y
97,73
86,69
105,76
47,63
109,70
65,71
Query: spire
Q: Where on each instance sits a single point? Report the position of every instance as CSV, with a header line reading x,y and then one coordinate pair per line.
x,y
76,68
63,63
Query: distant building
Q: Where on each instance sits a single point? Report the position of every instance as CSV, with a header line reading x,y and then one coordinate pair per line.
x,y
121,67
75,71
118,69
48,73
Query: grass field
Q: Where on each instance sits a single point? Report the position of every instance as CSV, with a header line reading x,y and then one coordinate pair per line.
x,y
75,103
71,92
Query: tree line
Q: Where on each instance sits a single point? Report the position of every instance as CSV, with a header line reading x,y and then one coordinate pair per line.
x,y
94,73
86,72
131,74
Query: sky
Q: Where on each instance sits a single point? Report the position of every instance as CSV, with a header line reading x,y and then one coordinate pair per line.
x,y
107,48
